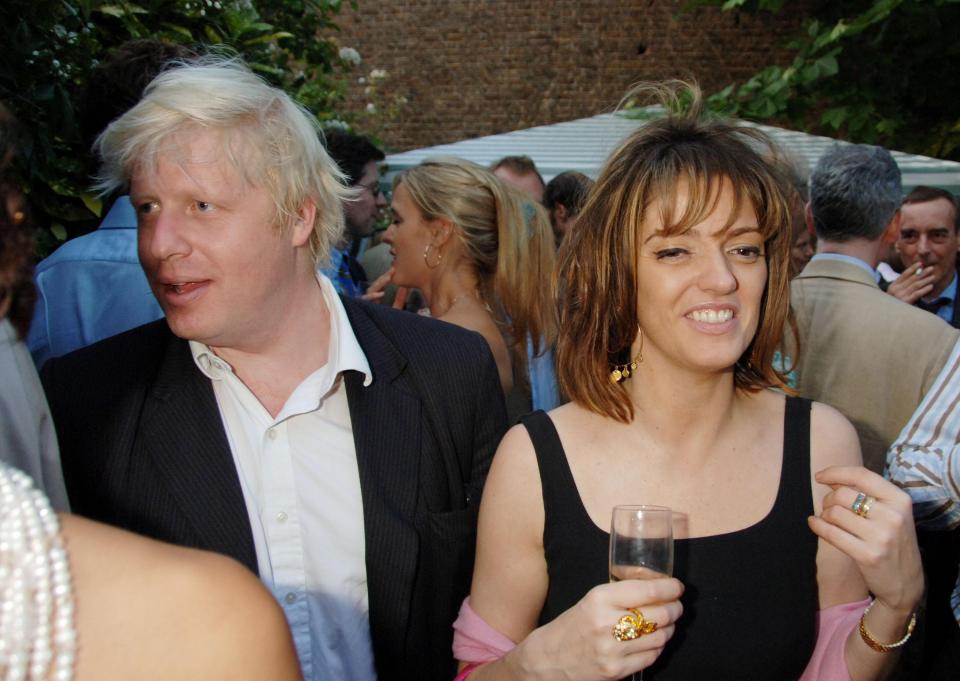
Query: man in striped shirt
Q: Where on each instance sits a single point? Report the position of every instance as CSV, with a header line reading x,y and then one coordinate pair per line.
x,y
925,461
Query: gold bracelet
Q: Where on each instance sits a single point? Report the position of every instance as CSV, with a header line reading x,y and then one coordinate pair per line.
x,y
874,643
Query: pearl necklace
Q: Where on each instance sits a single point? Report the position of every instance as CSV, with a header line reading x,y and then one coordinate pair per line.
x,y
36,600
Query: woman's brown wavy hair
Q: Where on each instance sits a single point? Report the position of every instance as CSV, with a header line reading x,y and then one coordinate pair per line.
x,y
597,271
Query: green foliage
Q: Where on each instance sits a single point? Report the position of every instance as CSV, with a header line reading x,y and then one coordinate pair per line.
x,y
50,46
873,71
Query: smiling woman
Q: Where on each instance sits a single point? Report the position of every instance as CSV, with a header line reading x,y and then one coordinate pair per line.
x,y
674,301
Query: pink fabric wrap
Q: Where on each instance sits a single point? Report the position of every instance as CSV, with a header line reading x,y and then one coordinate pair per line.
x,y
467,671
828,662
476,641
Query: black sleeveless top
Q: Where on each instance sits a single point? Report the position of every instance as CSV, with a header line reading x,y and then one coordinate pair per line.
x,y
750,604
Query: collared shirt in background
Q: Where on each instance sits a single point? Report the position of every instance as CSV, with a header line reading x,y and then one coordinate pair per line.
x,y
862,264
91,288
301,485
943,305
925,459
346,273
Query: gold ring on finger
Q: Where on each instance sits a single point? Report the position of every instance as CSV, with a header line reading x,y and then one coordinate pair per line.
x,y
865,506
857,505
628,627
646,626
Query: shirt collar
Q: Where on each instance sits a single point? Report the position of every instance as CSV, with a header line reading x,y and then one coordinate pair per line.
x,y
344,354
950,293
122,215
862,264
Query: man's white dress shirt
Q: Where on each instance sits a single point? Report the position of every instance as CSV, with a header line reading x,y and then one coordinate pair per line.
x,y
301,485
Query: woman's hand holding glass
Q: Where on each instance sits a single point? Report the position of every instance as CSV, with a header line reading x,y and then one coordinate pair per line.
x,y
580,644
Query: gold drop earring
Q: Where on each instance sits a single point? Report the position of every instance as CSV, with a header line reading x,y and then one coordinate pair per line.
x,y
622,372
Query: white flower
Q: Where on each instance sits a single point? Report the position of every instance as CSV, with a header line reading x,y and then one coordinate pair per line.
x,y
336,124
371,108
378,74
349,54
361,80
368,91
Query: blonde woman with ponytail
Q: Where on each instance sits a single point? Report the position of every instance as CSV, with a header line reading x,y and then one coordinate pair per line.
x,y
481,253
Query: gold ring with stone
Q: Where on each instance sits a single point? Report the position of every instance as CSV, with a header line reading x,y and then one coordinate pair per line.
x,y
633,625
865,506
857,505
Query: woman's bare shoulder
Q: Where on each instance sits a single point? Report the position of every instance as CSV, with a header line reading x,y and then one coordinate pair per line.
x,y
138,599
833,439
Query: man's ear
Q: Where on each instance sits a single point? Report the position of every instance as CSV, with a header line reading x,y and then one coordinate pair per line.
x,y
891,233
302,226
808,218
560,213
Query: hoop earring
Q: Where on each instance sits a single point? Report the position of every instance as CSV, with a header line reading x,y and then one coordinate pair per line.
x,y
621,372
426,257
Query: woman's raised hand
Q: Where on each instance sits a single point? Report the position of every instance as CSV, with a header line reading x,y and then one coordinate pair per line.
x,y
871,520
376,290
581,643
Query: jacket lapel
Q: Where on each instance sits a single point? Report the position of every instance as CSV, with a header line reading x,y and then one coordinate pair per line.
x,y
182,434
386,418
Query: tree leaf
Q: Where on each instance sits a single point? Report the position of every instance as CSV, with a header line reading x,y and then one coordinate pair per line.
x,y
93,202
834,117
273,37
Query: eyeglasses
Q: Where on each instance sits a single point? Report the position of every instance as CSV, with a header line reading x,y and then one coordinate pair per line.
x,y
373,188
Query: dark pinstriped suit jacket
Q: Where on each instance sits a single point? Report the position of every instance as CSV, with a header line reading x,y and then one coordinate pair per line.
x,y
143,447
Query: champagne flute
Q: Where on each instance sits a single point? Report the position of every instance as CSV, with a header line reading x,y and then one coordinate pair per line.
x,y
641,545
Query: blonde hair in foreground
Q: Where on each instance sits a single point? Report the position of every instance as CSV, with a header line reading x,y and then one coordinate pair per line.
x,y
269,139
506,237
598,261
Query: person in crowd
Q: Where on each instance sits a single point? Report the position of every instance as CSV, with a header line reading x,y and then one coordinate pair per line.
x,y
928,244
521,172
93,603
676,298
925,462
92,286
358,158
482,255
853,336
803,248
563,198
27,437
336,448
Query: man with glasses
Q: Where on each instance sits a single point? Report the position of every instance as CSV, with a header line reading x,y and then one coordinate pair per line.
x,y
928,245
358,158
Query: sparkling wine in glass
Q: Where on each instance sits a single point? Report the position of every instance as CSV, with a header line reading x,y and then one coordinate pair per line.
x,y
641,545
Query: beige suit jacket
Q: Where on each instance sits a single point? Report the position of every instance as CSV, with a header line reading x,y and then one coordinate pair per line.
x,y
864,352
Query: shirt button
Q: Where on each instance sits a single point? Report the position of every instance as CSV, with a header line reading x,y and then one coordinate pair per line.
x,y
290,598
272,434
281,516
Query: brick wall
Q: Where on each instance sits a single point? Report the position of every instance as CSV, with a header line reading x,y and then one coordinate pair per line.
x,y
468,68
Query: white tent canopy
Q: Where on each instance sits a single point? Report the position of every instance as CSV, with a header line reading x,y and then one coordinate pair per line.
x,y
584,145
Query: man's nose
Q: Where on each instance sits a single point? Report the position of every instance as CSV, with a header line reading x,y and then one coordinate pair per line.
x,y
163,237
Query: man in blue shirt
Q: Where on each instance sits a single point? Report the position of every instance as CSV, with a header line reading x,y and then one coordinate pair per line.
x,y
928,245
357,157
93,287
